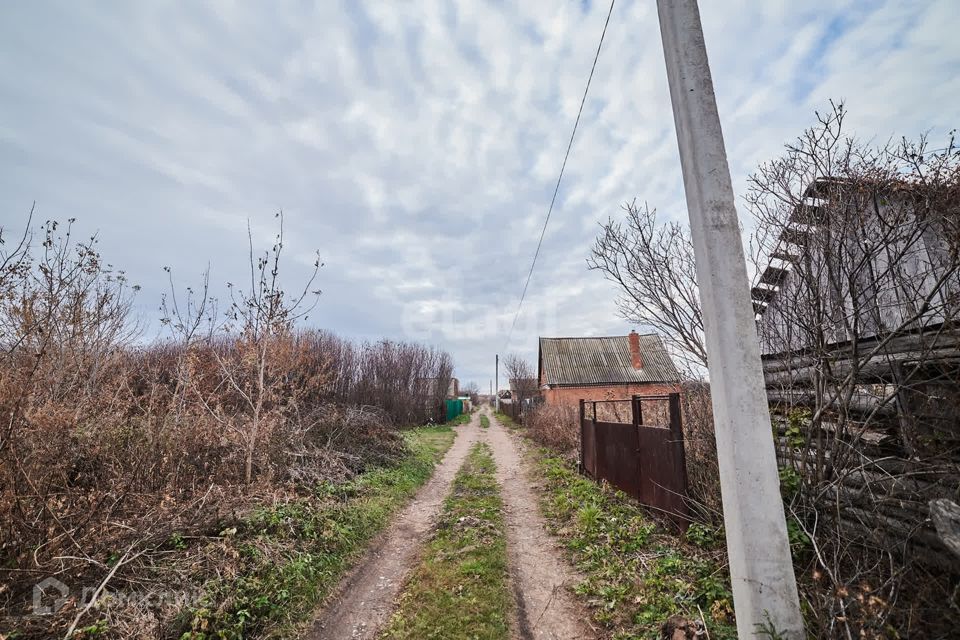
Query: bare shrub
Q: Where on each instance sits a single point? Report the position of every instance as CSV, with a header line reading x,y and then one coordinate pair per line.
x,y
700,447
409,381
522,378
611,409
110,446
859,255
557,427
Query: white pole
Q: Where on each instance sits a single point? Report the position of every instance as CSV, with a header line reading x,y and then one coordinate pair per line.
x,y
761,570
496,391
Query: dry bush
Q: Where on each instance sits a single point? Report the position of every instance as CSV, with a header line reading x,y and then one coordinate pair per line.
x,y
700,447
108,447
557,427
407,380
611,410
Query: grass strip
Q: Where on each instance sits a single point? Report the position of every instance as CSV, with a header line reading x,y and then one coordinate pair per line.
x,y
506,420
637,573
290,556
463,418
484,421
460,589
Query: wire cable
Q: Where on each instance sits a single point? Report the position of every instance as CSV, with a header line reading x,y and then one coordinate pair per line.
x,y
563,167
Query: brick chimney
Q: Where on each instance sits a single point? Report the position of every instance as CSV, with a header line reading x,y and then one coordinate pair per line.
x,y
635,354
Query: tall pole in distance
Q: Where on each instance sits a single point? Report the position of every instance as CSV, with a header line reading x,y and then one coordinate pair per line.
x,y
761,571
496,387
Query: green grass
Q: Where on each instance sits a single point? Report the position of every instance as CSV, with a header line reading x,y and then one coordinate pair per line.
x,y
289,556
506,420
484,421
460,589
463,418
637,573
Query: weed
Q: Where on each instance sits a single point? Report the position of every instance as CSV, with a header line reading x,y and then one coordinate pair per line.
x,y
98,628
589,516
177,542
637,574
796,535
703,535
798,424
768,629
292,554
506,420
789,482
463,418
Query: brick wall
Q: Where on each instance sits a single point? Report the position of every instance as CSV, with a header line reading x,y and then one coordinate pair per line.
x,y
571,396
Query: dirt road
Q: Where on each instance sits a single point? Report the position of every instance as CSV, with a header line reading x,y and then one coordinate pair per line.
x,y
364,599
540,577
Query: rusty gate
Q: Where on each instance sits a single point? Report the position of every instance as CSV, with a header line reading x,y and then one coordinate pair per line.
x,y
643,458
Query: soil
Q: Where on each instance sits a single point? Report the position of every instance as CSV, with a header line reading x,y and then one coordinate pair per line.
x,y
364,599
540,577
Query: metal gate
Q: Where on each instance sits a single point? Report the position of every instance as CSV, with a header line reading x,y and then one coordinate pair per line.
x,y
644,459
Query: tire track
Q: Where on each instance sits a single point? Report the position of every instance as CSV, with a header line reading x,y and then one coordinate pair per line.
x,y
364,599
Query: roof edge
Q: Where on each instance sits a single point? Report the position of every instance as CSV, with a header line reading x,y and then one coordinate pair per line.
x,y
642,335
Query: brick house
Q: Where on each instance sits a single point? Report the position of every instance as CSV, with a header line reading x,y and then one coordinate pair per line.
x,y
609,368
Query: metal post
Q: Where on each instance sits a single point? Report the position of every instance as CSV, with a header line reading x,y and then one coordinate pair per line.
x,y
761,570
581,436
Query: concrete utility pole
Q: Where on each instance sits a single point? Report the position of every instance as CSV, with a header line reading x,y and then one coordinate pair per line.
x,y
764,585
496,389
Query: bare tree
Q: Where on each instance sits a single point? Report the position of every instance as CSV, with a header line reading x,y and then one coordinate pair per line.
x,y
254,366
857,297
472,389
653,267
521,376
856,250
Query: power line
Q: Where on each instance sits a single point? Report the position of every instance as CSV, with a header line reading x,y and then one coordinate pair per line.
x,y
560,177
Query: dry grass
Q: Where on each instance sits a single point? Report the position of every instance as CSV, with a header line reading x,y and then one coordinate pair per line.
x,y
557,427
113,453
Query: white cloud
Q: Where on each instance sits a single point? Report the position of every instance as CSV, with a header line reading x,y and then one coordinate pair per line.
x,y
416,145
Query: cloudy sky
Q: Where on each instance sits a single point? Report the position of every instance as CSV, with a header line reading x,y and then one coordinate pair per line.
x,y
415,145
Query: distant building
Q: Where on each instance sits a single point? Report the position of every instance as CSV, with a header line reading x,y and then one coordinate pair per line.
x,y
608,368
524,387
429,385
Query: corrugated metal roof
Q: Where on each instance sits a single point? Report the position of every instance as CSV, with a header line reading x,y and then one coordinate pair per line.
x,y
583,361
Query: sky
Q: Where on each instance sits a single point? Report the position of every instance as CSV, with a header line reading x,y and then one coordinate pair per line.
x,y
416,145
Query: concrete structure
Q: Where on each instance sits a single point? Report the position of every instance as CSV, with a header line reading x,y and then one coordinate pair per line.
x,y
608,368
761,569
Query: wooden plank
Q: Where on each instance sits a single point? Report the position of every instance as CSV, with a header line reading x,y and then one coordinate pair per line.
x,y
808,214
774,276
762,294
795,236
